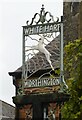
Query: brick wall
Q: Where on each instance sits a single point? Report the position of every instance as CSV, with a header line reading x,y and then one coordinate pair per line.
x,y
71,13
80,21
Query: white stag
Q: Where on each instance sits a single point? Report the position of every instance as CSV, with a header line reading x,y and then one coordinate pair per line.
x,y
40,47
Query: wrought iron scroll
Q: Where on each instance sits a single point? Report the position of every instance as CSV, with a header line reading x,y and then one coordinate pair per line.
x,y
43,17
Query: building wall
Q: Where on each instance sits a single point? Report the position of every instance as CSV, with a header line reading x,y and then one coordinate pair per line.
x,y
7,111
0,109
80,21
72,12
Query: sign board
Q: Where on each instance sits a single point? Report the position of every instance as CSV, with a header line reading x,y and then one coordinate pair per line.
x,y
43,82
41,28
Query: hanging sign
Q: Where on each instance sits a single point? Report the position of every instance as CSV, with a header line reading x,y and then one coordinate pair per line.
x,y
43,82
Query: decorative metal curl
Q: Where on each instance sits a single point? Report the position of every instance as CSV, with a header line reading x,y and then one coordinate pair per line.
x,y
43,17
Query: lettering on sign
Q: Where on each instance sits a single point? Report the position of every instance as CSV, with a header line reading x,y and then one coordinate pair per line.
x,y
44,82
39,29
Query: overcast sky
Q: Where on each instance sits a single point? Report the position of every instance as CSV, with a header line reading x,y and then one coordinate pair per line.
x,y
13,15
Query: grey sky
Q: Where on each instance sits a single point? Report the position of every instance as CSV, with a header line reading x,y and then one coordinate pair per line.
x,y
13,15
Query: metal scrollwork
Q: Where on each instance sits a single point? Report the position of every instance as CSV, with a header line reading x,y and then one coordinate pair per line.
x,y
29,114
43,17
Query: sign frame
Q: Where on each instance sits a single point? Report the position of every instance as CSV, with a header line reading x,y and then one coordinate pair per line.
x,y
41,23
